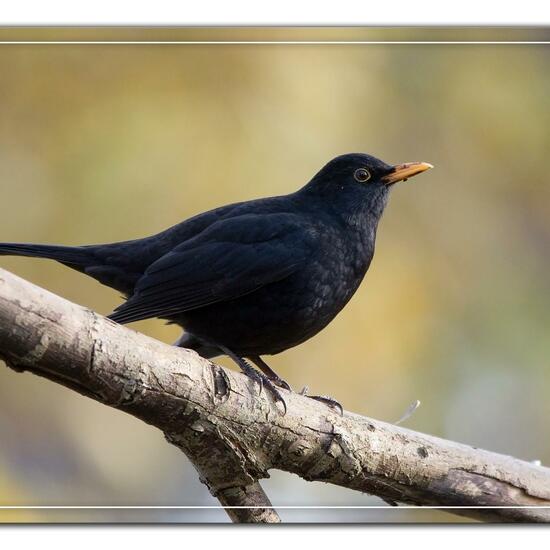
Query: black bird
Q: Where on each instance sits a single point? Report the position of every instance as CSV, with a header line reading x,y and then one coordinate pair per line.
x,y
252,278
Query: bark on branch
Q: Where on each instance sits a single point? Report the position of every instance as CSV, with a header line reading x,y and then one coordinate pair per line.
x,y
233,436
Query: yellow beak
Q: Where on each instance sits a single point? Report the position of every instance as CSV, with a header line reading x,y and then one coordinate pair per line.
x,y
402,172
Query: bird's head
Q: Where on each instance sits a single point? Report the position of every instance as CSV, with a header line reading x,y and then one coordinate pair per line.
x,y
360,182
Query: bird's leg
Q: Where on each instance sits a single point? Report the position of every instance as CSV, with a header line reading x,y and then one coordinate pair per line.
x,y
181,341
259,377
275,378
326,399
269,372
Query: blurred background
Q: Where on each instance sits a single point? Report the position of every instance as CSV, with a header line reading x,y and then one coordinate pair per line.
x,y
102,143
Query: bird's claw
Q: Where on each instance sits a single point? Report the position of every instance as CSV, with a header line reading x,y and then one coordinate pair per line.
x,y
278,398
271,383
281,383
259,377
254,375
266,383
270,373
327,400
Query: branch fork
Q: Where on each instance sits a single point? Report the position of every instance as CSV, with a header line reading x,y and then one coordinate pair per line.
x,y
233,436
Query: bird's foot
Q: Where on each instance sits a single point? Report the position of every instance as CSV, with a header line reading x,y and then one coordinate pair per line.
x,y
326,399
268,384
262,380
281,383
269,372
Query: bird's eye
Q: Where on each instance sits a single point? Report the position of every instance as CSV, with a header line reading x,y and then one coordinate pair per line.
x,y
361,175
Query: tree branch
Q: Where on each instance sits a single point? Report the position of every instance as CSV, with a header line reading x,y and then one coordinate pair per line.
x,y
233,436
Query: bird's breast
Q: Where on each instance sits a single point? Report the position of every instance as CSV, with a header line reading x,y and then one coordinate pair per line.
x,y
286,313
336,273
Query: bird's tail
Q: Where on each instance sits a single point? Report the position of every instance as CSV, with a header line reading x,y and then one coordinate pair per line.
x,y
74,256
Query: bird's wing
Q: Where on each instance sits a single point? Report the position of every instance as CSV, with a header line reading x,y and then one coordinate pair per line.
x,y
229,259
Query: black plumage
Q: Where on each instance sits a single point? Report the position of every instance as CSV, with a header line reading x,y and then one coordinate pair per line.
x,y
252,278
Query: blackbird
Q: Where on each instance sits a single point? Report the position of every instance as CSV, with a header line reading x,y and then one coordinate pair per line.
x,y
252,278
